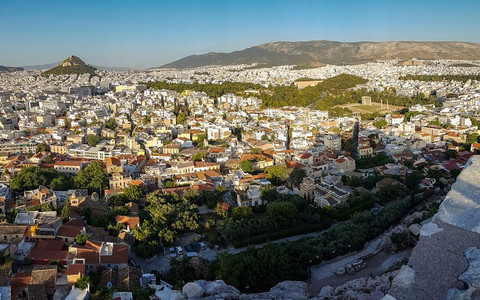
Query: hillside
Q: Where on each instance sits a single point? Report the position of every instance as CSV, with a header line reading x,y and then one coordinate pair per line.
x,y
71,65
314,53
10,69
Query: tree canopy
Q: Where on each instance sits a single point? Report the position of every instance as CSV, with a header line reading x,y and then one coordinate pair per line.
x,y
32,177
167,216
92,178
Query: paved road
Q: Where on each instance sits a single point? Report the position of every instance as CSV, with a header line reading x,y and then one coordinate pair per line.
x,y
376,265
328,268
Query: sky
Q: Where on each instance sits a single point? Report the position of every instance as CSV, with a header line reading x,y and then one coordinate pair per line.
x,y
150,33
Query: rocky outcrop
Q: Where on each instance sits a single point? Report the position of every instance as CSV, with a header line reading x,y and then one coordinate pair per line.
x,y
294,290
366,288
218,289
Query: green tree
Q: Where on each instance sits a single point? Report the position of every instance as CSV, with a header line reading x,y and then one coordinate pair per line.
x,y
222,209
180,118
198,156
146,249
65,212
277,174
83,282
48,160
246,166
147,120
62,183
451,153
81,239
111,124
42,147
92,140
31,177
167,216
169,183
281,211
472,138
296,176
413,179
268,193
242,212
132,193
92,178
380,123
256,269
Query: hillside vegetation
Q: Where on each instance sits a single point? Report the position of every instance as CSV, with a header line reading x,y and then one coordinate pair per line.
x,y
76,69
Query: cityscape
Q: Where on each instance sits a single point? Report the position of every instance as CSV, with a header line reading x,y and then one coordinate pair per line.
x,y
299,169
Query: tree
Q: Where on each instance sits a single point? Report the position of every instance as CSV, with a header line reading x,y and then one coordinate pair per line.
x,y
246,166
62,183
380,123
81,239
296,176
472,138
42,147
222,209
198,156
65,212
132,193
92,140
48,160
111,124
146,249
248,269
242,212
167,216
268,193
180,118
451,153
169,183
31,177
413,179
475,122
83,282
277,174
147,120
92,178
282,211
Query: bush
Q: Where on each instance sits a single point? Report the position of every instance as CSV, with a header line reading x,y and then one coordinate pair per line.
x,y
146,249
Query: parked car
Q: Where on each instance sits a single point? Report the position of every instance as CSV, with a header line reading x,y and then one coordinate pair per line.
x,y
179,250
202,245
190,252
195,247
172,252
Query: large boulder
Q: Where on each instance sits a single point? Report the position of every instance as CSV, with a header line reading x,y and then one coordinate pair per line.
x,y
289,290
325,293
220,287
194,290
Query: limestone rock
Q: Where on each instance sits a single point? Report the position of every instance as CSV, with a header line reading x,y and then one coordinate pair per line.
x,y
220,287
325,292
290,290
193,290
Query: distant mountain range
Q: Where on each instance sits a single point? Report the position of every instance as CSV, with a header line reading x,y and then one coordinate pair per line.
x,y
10,69
317,53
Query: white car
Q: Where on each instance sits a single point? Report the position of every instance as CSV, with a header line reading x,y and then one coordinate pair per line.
x,y
180,250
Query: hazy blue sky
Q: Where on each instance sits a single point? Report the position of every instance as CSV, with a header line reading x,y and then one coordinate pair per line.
x,y
151,33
